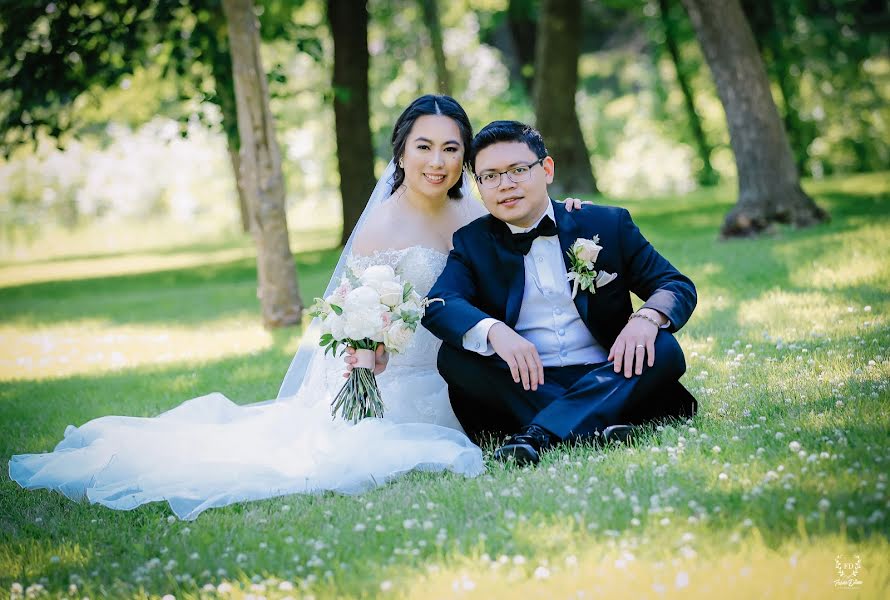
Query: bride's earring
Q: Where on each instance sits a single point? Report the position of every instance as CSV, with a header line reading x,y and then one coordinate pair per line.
x,y
401,164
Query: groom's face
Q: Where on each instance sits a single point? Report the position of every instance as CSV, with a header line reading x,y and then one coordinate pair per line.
x,y
518,203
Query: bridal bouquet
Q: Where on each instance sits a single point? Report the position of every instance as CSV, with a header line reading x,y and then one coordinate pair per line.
x,y
376,308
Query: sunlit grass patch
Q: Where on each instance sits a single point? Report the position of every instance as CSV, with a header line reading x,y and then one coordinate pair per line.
x,y
631,566
94,346
131,264
783,472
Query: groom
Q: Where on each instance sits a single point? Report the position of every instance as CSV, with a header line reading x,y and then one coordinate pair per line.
x,y
520,354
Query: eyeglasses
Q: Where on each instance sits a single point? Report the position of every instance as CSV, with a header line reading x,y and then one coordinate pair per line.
x,y
517,174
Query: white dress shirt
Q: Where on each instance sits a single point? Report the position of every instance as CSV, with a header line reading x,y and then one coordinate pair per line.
x,y
548,317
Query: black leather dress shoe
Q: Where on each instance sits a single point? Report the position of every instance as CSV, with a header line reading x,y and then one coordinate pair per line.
x,y
526,446
619,434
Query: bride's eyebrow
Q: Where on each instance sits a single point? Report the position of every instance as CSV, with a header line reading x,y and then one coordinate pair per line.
x,y
429,141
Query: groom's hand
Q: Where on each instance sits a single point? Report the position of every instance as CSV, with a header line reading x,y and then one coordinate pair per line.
x,y
381,359
635,343
519,354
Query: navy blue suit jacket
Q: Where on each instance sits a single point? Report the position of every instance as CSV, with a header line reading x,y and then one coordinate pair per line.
x,y
484,278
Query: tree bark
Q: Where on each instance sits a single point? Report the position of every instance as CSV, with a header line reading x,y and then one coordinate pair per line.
x,y
430,10
235,160
261,170
225,91
707,175
556,80
769,26
520,20
769,184
355,153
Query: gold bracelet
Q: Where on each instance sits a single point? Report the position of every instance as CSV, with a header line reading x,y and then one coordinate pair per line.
x,y
637,315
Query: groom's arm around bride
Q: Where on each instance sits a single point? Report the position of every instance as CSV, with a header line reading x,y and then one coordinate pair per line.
x,y
543,341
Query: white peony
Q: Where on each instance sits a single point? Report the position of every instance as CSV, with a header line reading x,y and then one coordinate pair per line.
x,y
377,274
397,337
362,298
587,250
390,293
335,325
363,323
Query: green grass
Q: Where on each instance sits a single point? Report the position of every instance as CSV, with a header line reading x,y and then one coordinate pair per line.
x,y
789,347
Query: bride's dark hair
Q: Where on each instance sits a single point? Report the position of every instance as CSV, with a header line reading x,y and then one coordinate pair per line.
x,y
429,105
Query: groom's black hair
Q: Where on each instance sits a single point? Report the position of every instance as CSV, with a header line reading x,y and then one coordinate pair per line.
x,y
507,131
429,105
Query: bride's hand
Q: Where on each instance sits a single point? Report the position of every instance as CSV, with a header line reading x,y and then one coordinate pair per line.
x,y
381,358
575,204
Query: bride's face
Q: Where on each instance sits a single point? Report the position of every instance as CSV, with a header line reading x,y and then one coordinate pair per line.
x,y
433,156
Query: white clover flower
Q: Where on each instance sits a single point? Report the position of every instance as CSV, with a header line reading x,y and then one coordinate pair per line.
x,y
794,446
682,580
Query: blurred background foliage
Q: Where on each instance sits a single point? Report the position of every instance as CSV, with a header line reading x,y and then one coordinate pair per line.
x,y
149,139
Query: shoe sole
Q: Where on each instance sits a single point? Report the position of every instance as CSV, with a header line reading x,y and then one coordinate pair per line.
x,y
625,437
521,453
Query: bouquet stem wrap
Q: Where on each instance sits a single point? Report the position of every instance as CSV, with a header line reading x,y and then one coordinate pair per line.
x,y
359,397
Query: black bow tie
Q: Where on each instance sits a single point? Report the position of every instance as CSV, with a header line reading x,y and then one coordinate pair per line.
x,y
522,242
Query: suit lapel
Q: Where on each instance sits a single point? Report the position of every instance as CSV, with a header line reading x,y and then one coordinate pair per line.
x,y
513,264
567,232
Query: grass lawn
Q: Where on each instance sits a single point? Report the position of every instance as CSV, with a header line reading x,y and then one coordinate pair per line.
x,y
778,483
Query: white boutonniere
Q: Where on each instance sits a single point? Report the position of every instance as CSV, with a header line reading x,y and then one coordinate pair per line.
x,y
583,274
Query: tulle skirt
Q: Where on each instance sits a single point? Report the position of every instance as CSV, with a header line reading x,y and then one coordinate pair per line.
x,y
210,452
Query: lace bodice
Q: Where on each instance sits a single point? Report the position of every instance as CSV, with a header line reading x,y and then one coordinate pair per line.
x,y
421,266
418,264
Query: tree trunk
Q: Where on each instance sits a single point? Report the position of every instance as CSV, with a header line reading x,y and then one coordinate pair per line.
x,y
769,184
225,91
769,26
355,153
235,160
430,10
556,80
261,170
706,175
220,60
520,19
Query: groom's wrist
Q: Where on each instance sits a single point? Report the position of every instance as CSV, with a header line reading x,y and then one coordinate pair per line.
x,y
651,315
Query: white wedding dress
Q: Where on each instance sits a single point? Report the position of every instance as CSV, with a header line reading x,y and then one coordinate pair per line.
x,y
210,452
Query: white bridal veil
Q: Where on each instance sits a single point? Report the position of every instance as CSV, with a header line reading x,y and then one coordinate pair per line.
x,y
210,451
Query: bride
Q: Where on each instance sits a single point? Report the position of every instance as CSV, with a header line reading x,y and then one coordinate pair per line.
x,y
210,452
